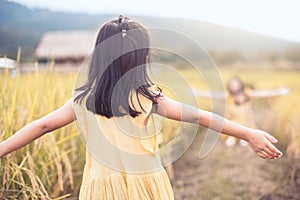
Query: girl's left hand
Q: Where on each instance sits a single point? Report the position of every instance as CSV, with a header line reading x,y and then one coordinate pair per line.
x,y
261,143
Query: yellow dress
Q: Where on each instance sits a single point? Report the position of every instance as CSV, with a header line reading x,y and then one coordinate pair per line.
x,y
242,113
122,156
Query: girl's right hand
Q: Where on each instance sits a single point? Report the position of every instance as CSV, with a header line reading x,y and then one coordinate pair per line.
x,y
284,91
262,143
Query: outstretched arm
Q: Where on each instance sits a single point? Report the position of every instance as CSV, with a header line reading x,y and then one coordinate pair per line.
x,y
54,120
256,94
260,141
209,94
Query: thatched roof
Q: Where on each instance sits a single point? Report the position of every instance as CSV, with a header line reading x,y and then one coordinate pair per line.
x,y
66,45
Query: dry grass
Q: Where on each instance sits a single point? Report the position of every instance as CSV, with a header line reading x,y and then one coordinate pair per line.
x,y
44,169
51,167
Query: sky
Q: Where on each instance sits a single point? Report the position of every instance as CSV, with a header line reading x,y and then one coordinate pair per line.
x,y
276,18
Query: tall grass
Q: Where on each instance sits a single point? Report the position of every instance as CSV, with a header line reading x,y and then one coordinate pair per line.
x,y
51,167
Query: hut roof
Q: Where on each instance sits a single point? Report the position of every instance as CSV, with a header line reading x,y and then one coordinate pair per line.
x,y
65,44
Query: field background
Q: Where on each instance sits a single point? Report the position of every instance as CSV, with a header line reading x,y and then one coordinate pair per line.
x,y
51,167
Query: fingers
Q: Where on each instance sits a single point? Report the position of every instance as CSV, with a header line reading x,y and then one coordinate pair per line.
x,y
274,150
267,154
269,151
271,138
270,148
262,154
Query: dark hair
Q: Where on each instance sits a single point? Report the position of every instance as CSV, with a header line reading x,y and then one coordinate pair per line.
x,y
237,79
240,91
118,67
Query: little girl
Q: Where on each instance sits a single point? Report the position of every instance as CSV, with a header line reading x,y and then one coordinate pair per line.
x,y
113,109
238,100
239,104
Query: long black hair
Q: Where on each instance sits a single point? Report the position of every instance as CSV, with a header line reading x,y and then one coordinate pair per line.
x,y
118,67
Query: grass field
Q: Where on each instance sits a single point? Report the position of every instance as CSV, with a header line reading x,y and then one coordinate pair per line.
x,y
51,167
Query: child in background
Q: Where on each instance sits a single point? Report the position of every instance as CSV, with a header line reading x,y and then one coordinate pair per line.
x,y
238,100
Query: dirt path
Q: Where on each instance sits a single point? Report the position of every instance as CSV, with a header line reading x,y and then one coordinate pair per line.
x,y
227,173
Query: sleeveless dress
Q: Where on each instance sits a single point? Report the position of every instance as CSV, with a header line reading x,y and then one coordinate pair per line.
x,y
122,155
242,114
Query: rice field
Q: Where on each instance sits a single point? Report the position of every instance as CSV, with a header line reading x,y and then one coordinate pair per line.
x,y
52,164
51,167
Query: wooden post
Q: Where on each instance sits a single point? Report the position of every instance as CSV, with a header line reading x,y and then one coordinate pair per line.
x,y
18,69
52,64
6,67
36,67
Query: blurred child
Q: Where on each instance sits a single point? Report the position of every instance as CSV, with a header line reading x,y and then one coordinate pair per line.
x,y
238,100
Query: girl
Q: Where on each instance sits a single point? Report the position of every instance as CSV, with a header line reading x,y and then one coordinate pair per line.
x,y
114,109
239,104
238,99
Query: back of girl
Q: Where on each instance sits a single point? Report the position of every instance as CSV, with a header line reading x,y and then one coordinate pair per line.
x,y
113,110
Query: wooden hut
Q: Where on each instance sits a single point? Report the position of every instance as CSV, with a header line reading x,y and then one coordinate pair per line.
x,y
65,46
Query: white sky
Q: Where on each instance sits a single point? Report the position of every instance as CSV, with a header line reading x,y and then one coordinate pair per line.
x,y
277,18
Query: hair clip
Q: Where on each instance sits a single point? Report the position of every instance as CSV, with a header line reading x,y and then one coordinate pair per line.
x,y
121,19
123,33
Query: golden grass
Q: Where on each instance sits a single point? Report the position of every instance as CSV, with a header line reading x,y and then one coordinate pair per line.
x,y
44,169
51,167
